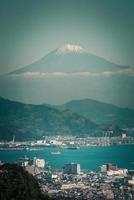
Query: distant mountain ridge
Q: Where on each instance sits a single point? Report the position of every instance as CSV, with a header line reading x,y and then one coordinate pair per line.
x,y
101,113
27,121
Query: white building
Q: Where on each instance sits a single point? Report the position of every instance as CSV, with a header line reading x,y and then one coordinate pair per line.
x,y
55,142
104,168
124,135
131,182
40,163
117,172
40,143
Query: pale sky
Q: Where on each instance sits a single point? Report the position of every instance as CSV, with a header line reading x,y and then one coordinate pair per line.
x,y
30,29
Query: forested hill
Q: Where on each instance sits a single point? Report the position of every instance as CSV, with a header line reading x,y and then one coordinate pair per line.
x,y
27,121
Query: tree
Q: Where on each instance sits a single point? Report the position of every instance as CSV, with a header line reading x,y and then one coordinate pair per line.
x,y
18,184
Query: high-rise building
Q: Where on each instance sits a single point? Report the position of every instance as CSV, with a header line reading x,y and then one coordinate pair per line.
x,y
107,167
103,168
72,168
111,167
40,163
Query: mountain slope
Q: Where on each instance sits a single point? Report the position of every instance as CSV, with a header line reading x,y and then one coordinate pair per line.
x,y
32,121
70,59
101,113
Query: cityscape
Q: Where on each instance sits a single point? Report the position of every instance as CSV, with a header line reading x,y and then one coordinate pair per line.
x,y
66,100
71,182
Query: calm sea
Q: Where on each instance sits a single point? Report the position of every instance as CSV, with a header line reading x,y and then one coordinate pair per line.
x,y
90,158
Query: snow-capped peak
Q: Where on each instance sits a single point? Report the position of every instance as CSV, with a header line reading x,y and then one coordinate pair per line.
x,y
70,48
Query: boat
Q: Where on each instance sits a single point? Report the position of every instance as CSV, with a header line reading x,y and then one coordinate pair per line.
x,y
73,147
55,152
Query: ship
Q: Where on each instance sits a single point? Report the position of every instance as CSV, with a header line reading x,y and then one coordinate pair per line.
x,y
55,152
73,147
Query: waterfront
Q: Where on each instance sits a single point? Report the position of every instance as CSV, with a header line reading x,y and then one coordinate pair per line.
x,y
90,158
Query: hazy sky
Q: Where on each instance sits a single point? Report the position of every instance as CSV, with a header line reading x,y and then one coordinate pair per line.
x,y
29,29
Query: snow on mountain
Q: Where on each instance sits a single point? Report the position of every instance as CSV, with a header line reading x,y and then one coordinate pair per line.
x,y
70,59
69,48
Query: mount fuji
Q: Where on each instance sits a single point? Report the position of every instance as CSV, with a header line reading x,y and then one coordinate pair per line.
x,y
70,59
69,73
